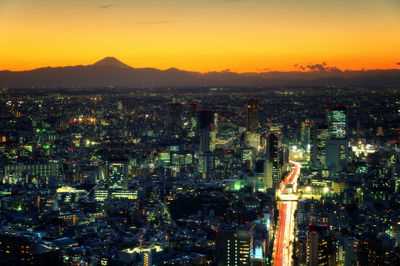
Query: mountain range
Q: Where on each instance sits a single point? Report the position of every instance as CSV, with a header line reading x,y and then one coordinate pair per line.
x,y
110,71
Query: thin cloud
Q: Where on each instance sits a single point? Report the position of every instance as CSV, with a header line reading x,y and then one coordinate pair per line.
x,y
300,67
106,6
398,63
153,22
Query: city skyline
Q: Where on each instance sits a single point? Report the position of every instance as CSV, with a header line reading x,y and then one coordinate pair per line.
x,y
232,132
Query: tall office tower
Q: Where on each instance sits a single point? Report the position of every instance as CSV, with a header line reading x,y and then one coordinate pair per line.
x,y
234,245
395,173
71,175
252,137
193,119
214,132
319,136
351,251
300,248
120,106
206,125
336,154
193,109
175,118
272,154
117,172
336,119
252,122
268,179
305,133
317,245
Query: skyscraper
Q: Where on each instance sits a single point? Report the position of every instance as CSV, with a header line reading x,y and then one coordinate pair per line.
x,y
206,124
319,137
317,245
175,118
336,119
351,251
268,177
234,245
305,133
272,154
252,122
193,119
336,154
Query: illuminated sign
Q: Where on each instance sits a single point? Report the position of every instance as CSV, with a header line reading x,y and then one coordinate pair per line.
x,y
258,253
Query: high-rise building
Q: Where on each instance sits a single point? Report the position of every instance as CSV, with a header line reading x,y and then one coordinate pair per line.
x,y
117,172
268,179
71,173
193,119
336,120
272,154
206,125
319,136
336,154
175,118
252,122
351,251
234,245
317,245
305,133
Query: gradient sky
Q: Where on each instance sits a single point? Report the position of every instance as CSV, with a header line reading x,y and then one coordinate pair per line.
x,y
203,35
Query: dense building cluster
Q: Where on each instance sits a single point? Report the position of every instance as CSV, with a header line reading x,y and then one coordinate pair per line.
x,y
193,176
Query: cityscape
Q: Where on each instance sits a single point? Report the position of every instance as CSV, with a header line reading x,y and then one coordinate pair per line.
x,y
216,176
200,133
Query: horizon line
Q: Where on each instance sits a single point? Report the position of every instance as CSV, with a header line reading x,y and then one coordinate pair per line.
x,y
311,68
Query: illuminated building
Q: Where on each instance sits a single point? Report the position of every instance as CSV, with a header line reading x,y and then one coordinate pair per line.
x,y
165,158
193,119
268,178
336,119
146,255
336,154
117,174
252,140
234,245
70,219
272,154
252,122
100,194
305,133
24,173
317,245
319,136
124,194
16,250
206,125
351,251
252,137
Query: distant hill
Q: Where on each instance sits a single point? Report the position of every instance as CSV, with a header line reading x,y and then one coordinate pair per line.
x,y
112,72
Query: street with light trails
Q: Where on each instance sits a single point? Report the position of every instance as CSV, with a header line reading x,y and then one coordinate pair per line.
x,y
284,236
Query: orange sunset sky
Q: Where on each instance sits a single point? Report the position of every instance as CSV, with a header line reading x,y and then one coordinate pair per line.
x,y
203,35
